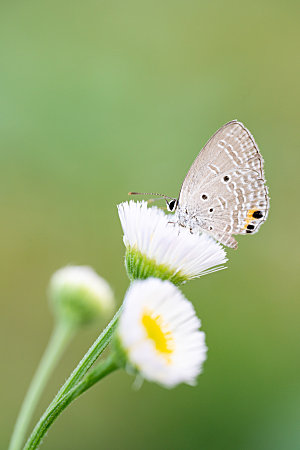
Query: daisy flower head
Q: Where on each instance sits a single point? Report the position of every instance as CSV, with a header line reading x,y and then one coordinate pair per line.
x,y
157,247
79,295
158,334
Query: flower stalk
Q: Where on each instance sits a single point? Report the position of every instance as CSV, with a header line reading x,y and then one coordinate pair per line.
x,y
76,376
102,369
78,296
61,336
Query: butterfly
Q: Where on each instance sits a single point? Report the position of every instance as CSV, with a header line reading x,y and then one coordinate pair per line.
x,y
224,192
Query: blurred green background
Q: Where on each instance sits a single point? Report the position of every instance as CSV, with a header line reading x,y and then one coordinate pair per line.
x,y
98,98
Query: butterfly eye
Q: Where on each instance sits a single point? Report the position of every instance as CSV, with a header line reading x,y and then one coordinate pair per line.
x,y
171,205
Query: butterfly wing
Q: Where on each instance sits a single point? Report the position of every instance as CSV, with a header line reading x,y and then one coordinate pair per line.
x,y
224,192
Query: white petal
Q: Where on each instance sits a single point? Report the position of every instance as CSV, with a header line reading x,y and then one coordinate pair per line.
x,y
150,231
177,315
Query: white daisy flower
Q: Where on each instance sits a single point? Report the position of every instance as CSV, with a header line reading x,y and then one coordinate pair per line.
x,y
79,295
159,334
159,248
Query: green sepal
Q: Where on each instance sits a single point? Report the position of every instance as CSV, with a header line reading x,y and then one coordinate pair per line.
x,y
140,267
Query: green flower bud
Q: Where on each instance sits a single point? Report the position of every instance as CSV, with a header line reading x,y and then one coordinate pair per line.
x,y
78,295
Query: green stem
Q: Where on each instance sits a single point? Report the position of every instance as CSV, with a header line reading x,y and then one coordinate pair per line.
x,y
90,357
104,368
61,336
82,368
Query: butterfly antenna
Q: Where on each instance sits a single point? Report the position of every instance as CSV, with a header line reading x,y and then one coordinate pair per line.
x,y
151,193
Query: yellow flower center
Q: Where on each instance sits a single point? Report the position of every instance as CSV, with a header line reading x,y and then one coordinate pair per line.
x,y
159,334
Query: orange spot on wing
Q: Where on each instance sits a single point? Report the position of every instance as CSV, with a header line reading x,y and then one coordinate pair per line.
x,y
249,217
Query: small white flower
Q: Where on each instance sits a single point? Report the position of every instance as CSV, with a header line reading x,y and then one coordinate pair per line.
x,y
159,333
79,295
157,247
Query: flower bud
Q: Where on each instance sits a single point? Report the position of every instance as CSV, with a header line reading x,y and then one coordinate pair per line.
x,y
79,295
